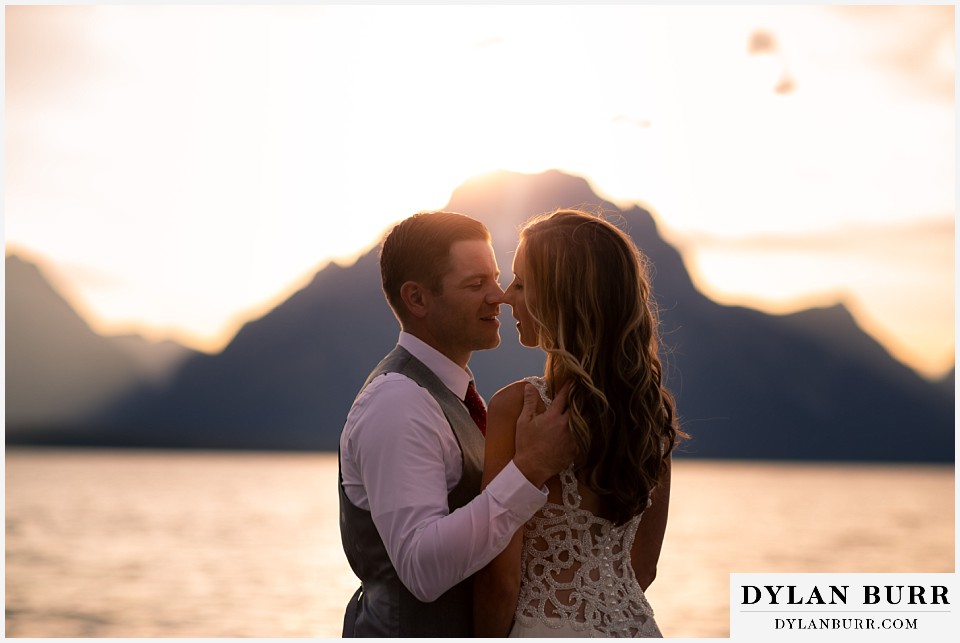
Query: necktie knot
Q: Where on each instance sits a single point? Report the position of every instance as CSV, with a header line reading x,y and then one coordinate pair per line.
x,y
478,410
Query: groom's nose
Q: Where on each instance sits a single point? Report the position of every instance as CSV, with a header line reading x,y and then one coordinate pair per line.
x,y
495,294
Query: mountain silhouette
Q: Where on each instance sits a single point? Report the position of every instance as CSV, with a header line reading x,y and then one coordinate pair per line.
x,y
59,372
811,385
948,383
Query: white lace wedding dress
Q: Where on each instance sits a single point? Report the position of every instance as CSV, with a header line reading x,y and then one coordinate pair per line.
x,y
576,578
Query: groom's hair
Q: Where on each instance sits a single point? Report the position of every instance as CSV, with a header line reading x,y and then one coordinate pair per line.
x,y
418,249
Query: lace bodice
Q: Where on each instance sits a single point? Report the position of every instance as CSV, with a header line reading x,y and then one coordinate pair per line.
x,y
576,571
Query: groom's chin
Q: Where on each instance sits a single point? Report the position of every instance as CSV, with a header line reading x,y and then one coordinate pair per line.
x,y
490,343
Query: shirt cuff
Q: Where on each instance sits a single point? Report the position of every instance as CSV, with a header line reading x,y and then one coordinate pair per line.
x,y
512,490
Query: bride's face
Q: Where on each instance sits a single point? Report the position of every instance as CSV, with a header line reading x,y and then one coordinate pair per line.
x,y
518,295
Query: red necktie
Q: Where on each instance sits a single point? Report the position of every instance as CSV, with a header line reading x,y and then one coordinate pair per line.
x,y
478,410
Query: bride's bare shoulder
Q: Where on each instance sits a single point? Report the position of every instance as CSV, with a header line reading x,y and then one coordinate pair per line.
x,y
508,401
502,413
509,398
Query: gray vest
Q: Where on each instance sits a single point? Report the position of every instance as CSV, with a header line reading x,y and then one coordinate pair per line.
x,y
383,606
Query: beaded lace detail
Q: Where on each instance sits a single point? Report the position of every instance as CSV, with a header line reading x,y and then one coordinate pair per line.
x,y
576,570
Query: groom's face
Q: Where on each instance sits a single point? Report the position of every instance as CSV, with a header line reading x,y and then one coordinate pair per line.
x,y
463,315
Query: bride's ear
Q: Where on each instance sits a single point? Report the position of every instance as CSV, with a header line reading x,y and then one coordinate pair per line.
x,y
414,297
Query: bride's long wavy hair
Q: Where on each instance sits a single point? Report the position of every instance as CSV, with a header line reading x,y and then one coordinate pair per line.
x,y
598,324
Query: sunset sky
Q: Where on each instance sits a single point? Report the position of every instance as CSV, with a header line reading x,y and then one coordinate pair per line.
x,y
178,170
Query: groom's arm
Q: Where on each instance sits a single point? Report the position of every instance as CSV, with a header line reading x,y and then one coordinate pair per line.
x,y
402,446
497,586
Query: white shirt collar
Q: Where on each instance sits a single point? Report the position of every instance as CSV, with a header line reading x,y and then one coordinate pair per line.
x,y
455,378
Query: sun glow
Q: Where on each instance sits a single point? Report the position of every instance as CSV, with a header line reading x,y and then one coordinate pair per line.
x,y
179,190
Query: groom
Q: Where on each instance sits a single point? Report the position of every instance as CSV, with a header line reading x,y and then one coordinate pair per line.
x,y
413,521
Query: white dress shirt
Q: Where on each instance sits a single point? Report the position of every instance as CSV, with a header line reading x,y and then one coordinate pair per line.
x,y
399,460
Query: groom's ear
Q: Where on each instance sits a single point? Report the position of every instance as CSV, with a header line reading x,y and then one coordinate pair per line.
x,y
414,297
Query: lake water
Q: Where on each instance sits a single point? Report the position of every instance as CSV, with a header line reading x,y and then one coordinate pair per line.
x,y
116,543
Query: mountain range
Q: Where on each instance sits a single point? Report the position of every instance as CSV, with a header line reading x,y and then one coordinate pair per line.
x,y
805,386
59,372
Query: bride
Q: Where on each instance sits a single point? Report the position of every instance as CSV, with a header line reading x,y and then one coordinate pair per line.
x,y
580,566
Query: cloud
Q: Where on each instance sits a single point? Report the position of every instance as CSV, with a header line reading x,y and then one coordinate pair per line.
x,y
49,51
492,41
914,44
762,42
785,85
925,240
632,121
